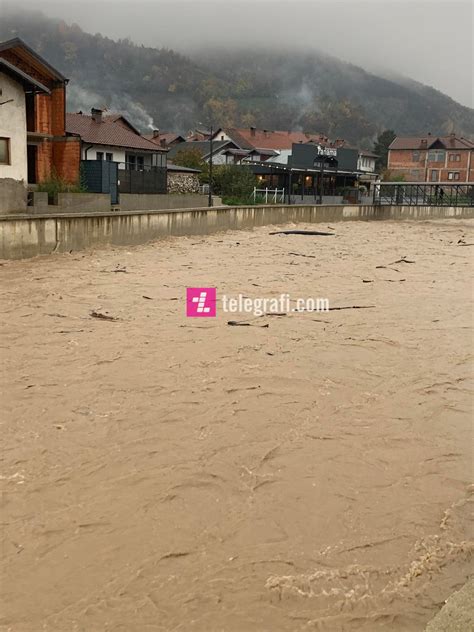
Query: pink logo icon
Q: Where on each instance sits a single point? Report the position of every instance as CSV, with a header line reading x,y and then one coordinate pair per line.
x,y
201,302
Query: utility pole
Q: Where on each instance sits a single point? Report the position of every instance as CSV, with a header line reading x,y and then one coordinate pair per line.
x,y
211,147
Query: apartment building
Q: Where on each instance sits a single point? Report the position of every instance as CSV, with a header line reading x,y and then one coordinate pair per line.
x,y
432,158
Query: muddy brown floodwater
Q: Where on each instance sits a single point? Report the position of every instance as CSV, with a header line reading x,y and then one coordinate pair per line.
x,y
169,474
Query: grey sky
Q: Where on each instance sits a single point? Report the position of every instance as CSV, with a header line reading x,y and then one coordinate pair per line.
x,y
427,40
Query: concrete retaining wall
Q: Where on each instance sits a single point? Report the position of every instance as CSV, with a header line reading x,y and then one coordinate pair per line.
x,y
81,203
158,202
38,202
13,196
23,236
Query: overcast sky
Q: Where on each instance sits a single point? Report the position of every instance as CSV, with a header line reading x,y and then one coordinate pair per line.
x,y
428,40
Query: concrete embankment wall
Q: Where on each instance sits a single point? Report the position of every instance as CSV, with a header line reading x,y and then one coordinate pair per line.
x,y
159,202
27,236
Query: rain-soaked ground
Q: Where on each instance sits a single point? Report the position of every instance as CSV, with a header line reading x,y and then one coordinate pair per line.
x,y
170,474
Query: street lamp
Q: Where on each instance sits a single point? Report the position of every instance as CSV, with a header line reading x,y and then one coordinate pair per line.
x,y
211,147
211,155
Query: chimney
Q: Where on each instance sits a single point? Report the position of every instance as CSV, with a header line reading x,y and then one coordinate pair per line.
x,y
156,133
252,131
96,115
424,143
163,142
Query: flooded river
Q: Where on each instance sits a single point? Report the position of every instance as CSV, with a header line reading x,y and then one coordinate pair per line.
x,y
306,472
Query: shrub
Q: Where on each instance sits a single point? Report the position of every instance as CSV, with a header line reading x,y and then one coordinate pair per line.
x,y
56,185
233,181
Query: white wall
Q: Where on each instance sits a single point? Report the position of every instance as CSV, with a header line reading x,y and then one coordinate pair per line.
x,y
221,136
13,126
118,152
366,163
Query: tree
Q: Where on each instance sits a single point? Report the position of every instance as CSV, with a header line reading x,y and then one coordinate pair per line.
x,y
233,181
381,145
192,159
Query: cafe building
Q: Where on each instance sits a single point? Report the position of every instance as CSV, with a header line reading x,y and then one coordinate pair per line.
x,y
313,173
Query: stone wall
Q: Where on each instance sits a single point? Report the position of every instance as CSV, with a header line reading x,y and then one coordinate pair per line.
x,y
183,182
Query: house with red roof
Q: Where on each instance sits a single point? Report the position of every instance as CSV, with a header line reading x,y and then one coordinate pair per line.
x,y
113,138
263,143
115,157
166,140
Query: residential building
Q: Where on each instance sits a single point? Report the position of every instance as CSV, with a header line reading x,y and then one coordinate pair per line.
x,y
33,142
264,143
115,158
366,161
166,140
113,138
432,158
203,147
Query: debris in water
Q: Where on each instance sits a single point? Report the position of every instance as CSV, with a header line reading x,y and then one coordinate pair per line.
x,y
402,260
103,316
301,232
299,254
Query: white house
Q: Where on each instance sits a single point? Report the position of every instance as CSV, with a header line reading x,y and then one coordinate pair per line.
x,y
14,84
113,138
366,161
13,160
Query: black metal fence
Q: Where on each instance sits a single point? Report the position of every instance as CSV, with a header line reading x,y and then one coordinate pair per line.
x,y
104,176
100,176
141,179
423,194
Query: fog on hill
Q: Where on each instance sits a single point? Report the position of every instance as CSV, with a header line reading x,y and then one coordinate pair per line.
x,y
282,88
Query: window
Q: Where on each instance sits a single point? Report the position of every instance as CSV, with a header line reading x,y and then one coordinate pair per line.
x,y
140,163
4,151
99,155
436,155
434,175
159,160
416,156
109,157
453,175
131,162
454,157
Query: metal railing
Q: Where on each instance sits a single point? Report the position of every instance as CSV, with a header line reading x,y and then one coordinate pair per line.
x,y
273,195
423,194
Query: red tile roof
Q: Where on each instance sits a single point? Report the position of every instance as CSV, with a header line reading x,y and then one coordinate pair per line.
x,y
164,138
425,142
251,138
108,131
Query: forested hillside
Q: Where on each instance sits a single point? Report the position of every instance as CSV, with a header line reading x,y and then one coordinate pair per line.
x,y
276,90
